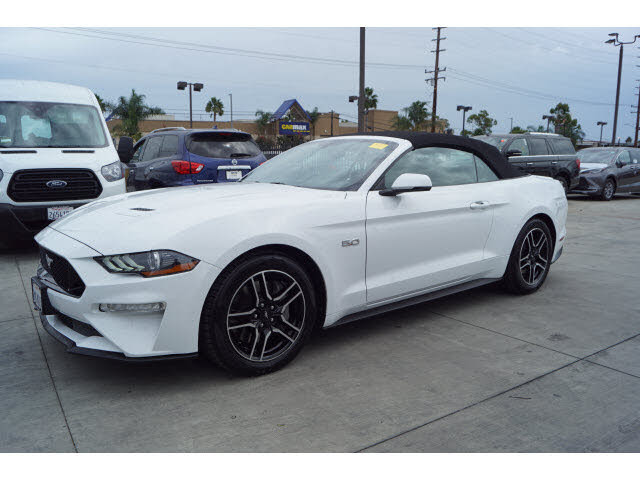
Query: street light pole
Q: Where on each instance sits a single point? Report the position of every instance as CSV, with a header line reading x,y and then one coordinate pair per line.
x,y
231,105
615,41
196,88
635,141
602,124
464,109
361,98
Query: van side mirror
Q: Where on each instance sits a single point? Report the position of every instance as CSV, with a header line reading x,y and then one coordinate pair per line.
x,y
513,153
408,182
125,149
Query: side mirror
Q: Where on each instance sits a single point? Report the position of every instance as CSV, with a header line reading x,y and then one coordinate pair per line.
x,y
125,149
408,182
513,153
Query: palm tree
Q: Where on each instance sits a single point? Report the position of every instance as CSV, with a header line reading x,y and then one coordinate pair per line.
x,y
131,111
314,115
401,123
214,108
104,105
417,114
263,119
370,99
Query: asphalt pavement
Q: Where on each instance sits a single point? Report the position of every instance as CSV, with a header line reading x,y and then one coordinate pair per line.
x,y
480,371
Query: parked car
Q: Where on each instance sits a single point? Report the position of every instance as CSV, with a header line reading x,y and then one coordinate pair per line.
x,y
545,154
325,233
607,170
55,155
170,157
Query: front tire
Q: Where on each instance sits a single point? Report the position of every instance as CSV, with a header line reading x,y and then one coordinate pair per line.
x,y
608,190
258,315
530,259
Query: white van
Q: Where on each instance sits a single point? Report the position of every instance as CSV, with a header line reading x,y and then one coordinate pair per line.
x,y
55,155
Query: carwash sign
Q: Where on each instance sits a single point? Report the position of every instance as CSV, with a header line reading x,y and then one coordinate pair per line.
x,y
294,128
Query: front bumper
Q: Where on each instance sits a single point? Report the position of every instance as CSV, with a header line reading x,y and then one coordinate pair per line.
x,y
83,328
589,185
26,220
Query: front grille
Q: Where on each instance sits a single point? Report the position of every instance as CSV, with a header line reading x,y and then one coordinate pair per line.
x,y
62,272
82,328
31,185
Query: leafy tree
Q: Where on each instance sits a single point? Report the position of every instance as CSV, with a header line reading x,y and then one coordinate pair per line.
x,y
466,133
263,119
539,128
517,129
565,124
628,141
314,115
214,108
444,122
483,122
132,111
104,105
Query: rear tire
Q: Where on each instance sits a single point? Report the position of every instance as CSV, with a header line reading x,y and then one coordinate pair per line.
x,y
258,315
565,183
530,259
608,190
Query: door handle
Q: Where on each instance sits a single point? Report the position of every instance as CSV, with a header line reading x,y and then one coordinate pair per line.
x,y
480,205
554,163
529,163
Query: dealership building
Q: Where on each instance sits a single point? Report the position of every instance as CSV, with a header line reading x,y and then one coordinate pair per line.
x,y
290,118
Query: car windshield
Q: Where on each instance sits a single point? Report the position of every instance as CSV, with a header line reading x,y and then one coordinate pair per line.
x,y
342,164
222,145
495,141
50,125
590,155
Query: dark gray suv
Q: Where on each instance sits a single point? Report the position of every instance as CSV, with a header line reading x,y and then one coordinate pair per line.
x,y
545,154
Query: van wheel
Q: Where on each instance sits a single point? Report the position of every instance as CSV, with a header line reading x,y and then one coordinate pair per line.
x,y
258,315
608,190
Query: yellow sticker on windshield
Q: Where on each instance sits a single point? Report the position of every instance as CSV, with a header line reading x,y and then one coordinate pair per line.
x,y
378,146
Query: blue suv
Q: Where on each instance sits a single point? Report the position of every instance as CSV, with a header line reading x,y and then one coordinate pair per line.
x,y
170,157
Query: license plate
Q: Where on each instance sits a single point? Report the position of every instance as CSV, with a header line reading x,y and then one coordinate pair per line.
x,y
37,296
54,213
234,174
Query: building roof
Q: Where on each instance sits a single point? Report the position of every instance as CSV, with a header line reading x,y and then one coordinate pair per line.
x,y
286,106
490,154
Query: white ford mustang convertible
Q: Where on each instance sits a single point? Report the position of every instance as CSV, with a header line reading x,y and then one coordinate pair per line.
x,y
328,232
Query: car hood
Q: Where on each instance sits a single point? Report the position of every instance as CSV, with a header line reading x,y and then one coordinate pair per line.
x,y
148,220
587,167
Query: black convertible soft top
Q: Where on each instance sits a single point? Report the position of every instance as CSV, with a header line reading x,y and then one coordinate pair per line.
x,y
490,154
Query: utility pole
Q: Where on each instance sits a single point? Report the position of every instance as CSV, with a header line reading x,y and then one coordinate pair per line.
x,y
231,105
635,141
436,76
361,98
464,109
615,41
511,118
602,124
332,123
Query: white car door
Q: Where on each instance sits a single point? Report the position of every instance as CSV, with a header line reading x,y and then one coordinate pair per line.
x,y
422,241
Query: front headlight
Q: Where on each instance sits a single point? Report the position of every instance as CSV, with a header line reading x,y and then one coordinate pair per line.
x,y
148,264
112,172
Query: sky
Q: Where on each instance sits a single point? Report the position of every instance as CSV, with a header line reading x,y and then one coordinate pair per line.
x,y
513,73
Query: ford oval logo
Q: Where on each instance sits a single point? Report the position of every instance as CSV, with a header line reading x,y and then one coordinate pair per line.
x,y
56,184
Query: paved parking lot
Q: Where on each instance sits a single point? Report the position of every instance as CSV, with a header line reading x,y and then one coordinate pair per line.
x,y
479,371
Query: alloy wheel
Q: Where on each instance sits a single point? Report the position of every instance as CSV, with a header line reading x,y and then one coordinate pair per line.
x,y
534,256
608,189
266,316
